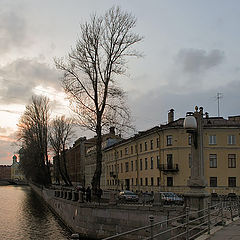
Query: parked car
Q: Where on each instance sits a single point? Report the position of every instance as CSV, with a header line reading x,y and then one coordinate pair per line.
x,y
232,196
171,198
128,196
147,198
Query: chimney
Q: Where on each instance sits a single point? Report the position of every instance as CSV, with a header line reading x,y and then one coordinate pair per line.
x,y
112,130
171,115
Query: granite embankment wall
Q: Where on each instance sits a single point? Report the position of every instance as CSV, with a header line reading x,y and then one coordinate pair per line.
x,y
99,221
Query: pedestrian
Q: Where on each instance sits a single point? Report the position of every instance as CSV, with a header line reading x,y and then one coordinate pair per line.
x,y
99,194
88,194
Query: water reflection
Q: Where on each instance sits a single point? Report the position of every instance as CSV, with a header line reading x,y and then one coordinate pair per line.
x,y
23,215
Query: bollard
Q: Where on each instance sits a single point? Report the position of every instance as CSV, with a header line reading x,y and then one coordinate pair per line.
x,y
151,219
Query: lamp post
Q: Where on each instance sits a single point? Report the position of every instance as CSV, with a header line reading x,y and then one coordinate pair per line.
x,y
197,197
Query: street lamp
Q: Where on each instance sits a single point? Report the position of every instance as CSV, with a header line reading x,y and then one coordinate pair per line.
x,y
197,196
190,124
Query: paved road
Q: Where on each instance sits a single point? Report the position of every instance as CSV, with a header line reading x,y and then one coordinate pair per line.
x,y
231,231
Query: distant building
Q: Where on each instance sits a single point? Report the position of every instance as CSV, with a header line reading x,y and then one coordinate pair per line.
x,y
5,172
16,173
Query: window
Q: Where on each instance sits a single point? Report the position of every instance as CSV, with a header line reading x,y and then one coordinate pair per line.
x,y
189,140
126,151
212,139
145,146
152,181
136,165
232,160
146,163
140,147
158,181
131,165
169,161
120,153
231,139
232,181
146,181
169,140
136,181
213,181
131,149
151,163
126,166
190,160
121,168
151,144
141,181
158,162
141,165
213,160
157,142
132,182
169,181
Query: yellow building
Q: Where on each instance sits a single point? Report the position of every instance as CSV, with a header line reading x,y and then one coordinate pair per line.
x,y
159,159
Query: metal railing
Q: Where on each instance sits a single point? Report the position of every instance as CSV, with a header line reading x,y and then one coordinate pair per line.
x,y
189,225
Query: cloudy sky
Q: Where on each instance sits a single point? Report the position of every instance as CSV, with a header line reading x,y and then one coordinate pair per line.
x,y
191,53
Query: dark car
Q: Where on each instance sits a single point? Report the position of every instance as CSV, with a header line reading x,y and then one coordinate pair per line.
x,y
171,198
232,196
147,198
128,196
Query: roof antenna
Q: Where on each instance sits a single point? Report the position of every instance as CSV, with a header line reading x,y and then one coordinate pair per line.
x,y
218,97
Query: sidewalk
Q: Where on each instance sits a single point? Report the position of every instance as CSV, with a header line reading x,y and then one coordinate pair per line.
x,y
230,231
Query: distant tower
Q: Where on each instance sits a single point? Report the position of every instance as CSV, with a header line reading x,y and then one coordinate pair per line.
x,y
14,159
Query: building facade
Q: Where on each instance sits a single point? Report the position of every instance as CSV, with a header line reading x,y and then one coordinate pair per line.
x,y
81,158
159,159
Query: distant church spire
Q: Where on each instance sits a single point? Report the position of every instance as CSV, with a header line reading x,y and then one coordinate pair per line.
x,y
14,158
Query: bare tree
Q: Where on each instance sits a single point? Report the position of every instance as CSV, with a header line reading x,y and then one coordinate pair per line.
x,y
60,134
91,70
33,133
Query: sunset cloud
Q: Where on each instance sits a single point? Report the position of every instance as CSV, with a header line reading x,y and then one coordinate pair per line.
x,y
20,77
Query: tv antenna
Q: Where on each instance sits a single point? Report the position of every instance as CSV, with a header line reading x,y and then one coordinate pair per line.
x,y
218,97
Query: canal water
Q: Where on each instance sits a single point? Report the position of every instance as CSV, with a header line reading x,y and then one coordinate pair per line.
x,y
23,216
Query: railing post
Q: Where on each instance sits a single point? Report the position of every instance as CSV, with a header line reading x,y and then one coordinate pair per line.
x,y
167,218
209,223
231,210
187,223
238,206
151,219
221,209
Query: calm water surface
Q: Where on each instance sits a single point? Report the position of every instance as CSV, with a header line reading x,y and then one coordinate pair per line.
x,y
23,216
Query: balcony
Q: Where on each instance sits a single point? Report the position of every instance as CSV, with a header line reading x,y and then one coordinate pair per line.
x,y
113,174
168,168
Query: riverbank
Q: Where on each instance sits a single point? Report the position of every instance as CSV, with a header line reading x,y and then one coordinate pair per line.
x,y
4,183
99,221
24,215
